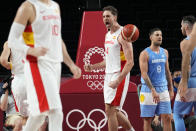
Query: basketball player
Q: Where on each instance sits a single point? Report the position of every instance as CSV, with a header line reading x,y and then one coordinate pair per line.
x,y
36,32
16,64
118,64
186,96
156,81
18,83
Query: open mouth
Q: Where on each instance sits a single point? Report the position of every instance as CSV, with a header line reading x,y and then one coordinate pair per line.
x,y
107,23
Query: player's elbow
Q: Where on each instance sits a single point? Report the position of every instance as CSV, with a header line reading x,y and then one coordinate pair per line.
x,y
130,63
4,62
3,107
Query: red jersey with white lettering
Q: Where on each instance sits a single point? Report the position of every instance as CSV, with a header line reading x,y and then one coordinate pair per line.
x,y
114,55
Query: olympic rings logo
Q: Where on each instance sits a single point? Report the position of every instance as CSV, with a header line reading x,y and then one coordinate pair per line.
x,y
95,84
92,51
88,120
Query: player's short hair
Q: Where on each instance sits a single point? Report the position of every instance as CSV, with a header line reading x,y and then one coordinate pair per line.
x,y
112,9
176,69
189,19
153,30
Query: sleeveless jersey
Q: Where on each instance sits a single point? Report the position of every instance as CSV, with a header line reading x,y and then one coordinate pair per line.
x,y
45,31
191,80
114,55
193,61
156,67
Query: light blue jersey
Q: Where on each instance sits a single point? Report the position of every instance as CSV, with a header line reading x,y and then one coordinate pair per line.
x,y
186,107
156,70
181,108
157,75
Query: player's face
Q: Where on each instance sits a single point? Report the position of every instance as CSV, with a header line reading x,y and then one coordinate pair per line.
x,y
176,74
183,26
108,19
156,38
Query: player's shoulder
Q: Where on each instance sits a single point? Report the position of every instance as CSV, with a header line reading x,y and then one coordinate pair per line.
x,y
164,49
144,52
183,44
55,3
184,41
26,6
5,44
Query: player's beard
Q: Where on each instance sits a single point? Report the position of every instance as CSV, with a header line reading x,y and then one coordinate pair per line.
x,y
184,32
157,43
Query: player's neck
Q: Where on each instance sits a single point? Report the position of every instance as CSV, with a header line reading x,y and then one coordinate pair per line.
x,y
114,28
188,32
155,48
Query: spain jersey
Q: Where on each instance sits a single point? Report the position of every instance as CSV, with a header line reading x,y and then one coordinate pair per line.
x,y
45,31
114,55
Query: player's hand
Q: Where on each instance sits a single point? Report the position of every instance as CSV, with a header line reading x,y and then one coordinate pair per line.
x,y
121,40
156,121
182,89
114,84
155,96
76,71
37,51
88,68
5,85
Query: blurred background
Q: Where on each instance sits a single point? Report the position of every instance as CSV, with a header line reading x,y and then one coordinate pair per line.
x,y
165,14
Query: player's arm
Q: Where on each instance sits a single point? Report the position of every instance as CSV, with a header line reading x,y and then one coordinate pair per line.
x,y
99,65
168,76
143,63
128,52
5,56
90,67
69,62
183,46
66,58
23,16
168,73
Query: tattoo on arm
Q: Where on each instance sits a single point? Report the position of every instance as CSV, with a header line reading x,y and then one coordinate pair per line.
x,y
148,82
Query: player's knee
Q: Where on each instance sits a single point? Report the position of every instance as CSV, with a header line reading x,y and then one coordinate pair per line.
x,y
166,118
109,112
147,120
